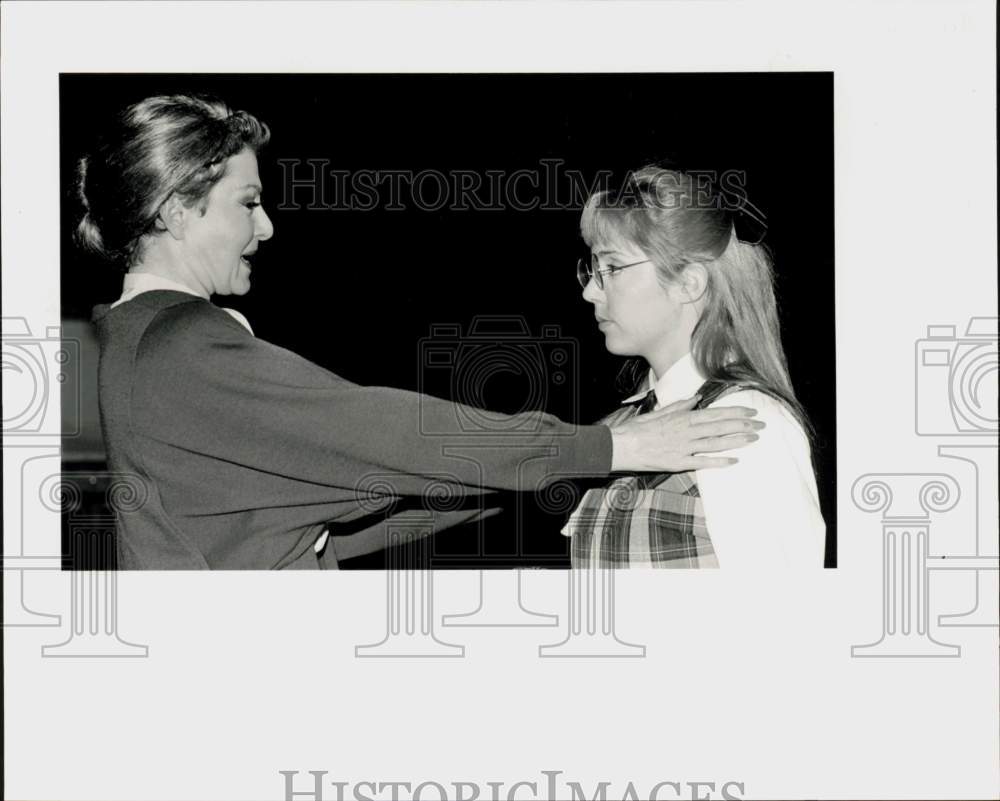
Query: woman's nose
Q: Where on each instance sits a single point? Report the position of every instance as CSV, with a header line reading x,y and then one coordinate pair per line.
x,y
592,292
263,228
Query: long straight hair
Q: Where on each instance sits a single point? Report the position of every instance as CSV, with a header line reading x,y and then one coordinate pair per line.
x,y
677,223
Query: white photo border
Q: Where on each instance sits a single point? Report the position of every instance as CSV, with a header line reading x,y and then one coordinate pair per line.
x,y
232,678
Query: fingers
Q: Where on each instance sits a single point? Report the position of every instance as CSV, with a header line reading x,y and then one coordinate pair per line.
x,y
727,443
683,410
723,427
722,413
706,462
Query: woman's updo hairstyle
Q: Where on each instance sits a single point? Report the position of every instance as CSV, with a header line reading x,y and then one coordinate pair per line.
x,y
164,145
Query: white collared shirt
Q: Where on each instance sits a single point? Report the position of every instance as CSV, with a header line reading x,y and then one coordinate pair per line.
x,y
764,510
137,283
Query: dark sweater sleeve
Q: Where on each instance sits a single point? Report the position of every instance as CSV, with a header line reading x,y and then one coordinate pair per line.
x,y
205,385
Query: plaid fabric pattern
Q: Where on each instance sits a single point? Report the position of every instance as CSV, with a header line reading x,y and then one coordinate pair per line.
x,y
628,525
645,520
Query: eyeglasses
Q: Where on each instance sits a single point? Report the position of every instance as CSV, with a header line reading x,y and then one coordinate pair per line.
x,y
590,268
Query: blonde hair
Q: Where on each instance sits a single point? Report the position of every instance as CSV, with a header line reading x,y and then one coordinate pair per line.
x,y
676,222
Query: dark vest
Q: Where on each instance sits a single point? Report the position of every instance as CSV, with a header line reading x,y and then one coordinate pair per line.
x,y
647,519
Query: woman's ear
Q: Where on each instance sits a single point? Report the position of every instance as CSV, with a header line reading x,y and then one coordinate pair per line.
x,y
172,217
694,282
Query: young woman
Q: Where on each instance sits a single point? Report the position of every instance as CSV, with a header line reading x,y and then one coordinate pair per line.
x,y
251,456
674,285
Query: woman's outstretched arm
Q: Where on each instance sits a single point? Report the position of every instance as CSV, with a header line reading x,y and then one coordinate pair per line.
x,y
204,385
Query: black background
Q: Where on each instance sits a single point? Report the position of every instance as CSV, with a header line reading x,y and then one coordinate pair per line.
x,y
357,291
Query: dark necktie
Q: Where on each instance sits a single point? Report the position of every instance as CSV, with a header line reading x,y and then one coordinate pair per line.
x,y
645,480
648,403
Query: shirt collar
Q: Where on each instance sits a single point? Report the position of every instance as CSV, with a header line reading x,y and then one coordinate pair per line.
x,y
682,380
137,283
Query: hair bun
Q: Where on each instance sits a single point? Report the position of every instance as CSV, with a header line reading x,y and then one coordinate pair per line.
x,y
156,147
88,236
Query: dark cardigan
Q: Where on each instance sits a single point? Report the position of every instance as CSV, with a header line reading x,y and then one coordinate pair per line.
x,y
247,451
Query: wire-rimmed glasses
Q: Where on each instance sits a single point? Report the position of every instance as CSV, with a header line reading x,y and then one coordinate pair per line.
x,y
590,268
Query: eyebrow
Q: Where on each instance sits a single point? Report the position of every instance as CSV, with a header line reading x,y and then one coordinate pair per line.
x,y
254,187
609,253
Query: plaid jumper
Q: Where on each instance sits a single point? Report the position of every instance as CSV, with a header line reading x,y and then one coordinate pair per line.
x,y
646,519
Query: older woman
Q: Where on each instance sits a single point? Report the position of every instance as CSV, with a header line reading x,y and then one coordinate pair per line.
x,y
254,457
683,284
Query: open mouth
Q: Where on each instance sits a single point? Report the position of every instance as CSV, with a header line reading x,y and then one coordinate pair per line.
x,y
245,260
